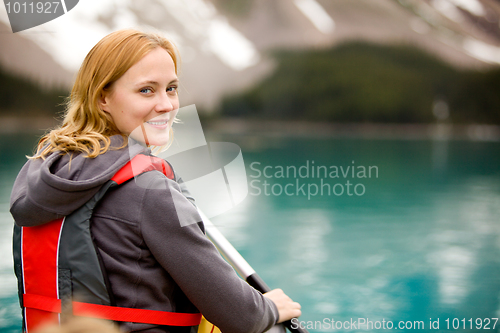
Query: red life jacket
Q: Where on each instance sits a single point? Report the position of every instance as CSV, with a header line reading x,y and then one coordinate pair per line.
x,y
58,267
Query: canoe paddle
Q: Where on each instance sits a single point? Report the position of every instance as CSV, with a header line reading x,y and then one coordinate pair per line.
x,y
241,266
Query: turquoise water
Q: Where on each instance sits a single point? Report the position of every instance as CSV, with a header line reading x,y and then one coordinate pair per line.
x,y
13,149
418,241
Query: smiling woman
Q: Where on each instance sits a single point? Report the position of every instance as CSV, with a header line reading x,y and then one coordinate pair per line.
x,y
87,127
145,94
90,238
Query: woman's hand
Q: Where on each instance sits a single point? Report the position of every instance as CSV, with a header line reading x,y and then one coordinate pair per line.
x,y
287,308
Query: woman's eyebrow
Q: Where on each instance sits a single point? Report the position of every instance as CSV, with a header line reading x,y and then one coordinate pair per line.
x,y
146,82
152,82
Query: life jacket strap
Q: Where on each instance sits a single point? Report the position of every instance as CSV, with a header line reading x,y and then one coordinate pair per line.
x,y
43,303
114,313
140,164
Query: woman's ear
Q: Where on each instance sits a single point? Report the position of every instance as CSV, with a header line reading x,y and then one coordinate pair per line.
x,y
103,101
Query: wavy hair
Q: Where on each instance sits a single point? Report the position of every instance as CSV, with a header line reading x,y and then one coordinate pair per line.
x,y
86,128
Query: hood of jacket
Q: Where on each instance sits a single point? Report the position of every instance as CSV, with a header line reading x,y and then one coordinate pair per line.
x,y
51,188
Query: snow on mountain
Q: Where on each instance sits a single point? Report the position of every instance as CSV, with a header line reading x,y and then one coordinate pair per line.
x,y
223,51
194,25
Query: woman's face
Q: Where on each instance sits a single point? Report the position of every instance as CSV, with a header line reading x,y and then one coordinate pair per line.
x,y
144,102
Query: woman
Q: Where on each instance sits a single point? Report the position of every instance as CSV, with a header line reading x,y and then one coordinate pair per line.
x,y
127,86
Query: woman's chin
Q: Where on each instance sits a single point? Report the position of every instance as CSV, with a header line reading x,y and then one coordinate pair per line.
x,y
153,138
158,138
159,142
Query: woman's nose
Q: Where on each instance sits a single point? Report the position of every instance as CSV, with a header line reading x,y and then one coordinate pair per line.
x,y
165,103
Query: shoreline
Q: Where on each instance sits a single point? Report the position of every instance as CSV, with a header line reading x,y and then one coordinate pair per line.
x,y
272,128
283,129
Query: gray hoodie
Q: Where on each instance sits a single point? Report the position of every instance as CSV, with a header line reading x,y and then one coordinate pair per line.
x,y
152,262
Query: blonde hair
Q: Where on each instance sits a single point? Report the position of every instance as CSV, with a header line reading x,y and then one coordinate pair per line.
x,y
86,128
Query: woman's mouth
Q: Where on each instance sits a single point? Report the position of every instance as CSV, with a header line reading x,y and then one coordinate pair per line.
x,y
160,124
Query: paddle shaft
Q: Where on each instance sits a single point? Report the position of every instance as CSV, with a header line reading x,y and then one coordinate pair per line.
x,y
241,266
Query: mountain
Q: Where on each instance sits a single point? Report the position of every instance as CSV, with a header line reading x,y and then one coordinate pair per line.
x,y
21,56
225,44
465,33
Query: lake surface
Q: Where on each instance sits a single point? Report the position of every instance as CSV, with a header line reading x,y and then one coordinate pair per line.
x,y
417,241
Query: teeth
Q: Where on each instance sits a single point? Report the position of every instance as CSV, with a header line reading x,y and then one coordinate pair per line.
x,y
157,122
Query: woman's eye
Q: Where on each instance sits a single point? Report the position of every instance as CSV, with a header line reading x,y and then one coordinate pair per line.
x,y
172,89
146,90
